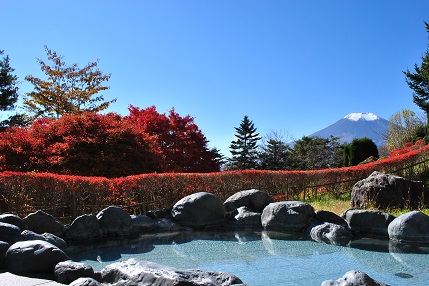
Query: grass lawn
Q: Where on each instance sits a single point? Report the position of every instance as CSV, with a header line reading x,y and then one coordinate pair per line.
x,y
340,205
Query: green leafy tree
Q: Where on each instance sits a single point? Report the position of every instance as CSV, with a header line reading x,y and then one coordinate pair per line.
x,y
359,150
274,153
68,89
314,153
404,126
418,81
244,149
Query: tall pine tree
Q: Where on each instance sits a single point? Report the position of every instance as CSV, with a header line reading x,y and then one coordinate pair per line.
x,y
244,149
8,82
9,94
419,82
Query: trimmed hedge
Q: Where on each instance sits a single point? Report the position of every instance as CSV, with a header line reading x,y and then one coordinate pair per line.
x,y
69,196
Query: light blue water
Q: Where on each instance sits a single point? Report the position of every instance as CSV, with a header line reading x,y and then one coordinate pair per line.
x,y
269,258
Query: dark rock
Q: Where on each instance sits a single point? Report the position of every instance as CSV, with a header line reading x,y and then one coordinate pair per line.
x,y
33,256
410,227
133,272
115,221
41,222
159,214
68,271
244,217
9,233
84,228
85,282
165,224
255,200
199,210
13,219
387,191
142,222
4,246
327,216
368,222
287,216
331,233
31,235
49,237
55,240
353,278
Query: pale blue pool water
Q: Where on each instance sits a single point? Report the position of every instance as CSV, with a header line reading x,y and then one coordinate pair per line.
x,y
269,258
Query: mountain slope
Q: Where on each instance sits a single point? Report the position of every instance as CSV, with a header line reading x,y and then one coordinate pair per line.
x,y
356,125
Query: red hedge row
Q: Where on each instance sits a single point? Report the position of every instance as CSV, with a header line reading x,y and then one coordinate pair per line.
x,y
69,196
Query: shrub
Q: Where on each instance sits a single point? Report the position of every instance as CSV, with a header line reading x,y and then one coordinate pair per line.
x,y
359,150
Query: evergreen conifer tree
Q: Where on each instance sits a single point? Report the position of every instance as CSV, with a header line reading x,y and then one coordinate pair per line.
x,y
8,82
9,94
359,150
244,149
274,153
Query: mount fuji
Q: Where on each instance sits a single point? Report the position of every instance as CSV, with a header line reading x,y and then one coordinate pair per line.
x,y
356,125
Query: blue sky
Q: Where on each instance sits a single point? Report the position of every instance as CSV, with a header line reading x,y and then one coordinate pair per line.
x,y
291,66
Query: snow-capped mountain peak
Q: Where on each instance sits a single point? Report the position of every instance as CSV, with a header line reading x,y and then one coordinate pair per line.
x,y
367,116
357,125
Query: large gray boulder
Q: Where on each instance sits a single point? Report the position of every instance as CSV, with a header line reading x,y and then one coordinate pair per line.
x,y
41,222
287,216
13,219
331,233
368,222
4,246
68,271
199,210
85,281
115,221
142,222
84,228
134,272
253,199
33,256
49,237
9,233
327,216
244,217
387,191
410,227
354,278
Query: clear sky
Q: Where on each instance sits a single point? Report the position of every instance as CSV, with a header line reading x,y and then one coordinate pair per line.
x,y
292,66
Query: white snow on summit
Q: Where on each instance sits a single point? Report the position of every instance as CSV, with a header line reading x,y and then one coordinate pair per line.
x,y
368,116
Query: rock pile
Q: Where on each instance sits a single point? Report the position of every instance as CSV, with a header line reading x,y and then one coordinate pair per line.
x,y
33,244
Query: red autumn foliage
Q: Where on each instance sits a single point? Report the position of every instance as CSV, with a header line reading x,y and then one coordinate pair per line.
x,y
181,144
408,147
63,195
87,144
91,144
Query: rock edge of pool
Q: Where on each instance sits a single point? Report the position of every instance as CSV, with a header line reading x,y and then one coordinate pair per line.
x,y
38,243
